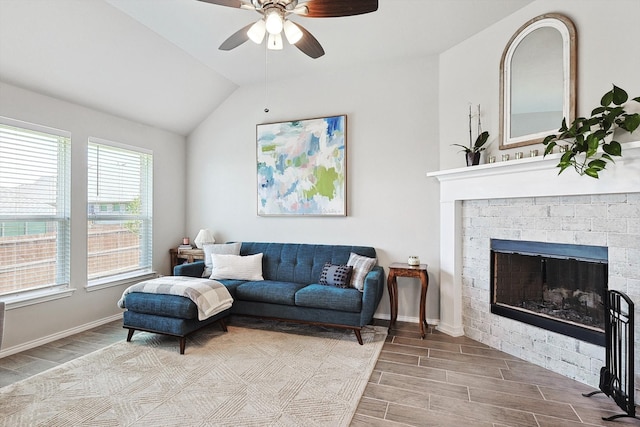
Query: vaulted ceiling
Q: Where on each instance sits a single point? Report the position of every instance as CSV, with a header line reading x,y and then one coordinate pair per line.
x,y
157,61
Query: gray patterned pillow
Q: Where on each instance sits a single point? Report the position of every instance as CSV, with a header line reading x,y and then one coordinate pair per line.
x,y
336,275
362,265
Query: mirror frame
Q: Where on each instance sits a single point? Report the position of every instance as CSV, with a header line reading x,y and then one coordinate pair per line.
x,y
568,32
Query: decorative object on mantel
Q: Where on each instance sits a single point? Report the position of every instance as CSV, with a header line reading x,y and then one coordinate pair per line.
x,y
538,73
204,236
475,148
586,135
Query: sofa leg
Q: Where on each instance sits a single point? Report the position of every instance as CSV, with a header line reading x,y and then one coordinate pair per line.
x,y
130,334
357,332
223,325
183,343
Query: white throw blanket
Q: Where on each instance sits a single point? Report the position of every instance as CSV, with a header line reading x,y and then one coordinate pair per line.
x,y
210,296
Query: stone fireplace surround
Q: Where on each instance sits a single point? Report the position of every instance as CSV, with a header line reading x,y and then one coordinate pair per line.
x,y
525,199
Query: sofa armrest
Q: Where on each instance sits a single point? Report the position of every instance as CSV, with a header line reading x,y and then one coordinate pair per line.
x,y
193,269
372,294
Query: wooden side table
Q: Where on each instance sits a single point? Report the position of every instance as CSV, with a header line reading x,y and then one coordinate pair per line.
x,y
188,255
398,269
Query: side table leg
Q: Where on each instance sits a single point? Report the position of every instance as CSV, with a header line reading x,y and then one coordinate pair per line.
x,y
392,287
424,280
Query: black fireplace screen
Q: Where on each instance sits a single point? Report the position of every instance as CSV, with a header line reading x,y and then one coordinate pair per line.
x,y
554,286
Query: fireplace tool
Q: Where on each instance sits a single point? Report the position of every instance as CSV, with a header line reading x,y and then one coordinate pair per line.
x,y
617,376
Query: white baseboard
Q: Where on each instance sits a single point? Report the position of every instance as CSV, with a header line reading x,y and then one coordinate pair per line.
x,y
58,335
430,322
449,330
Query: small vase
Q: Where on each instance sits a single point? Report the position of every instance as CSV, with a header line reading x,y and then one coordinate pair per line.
x,y
413,260
473,158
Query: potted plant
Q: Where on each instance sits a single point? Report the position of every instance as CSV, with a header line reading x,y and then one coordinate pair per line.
x,y
590,139
475,148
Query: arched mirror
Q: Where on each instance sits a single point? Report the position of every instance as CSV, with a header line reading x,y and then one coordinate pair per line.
x,y
537,80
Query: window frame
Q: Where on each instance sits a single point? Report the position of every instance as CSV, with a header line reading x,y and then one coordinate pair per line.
x,y
61,285
146,216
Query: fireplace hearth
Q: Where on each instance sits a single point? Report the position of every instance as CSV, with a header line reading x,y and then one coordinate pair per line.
x,y
558,287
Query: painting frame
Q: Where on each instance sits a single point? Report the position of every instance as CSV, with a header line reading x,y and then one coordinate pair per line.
x,y
301,167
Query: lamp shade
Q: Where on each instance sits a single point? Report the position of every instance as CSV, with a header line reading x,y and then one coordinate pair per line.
x,y
293,33
273,21
204,236
257,31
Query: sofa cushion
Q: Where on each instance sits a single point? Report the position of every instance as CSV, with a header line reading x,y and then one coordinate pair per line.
x,y
269,291
236,267
299,262
361,267
232,285
329,297
213,248
336,275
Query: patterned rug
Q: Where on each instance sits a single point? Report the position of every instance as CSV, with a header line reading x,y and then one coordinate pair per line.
x,y
260,373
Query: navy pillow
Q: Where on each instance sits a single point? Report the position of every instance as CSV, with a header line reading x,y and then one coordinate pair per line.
x,y
336,275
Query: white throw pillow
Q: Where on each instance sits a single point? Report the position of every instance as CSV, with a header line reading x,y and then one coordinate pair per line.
x,y
362,265
224,248
236,267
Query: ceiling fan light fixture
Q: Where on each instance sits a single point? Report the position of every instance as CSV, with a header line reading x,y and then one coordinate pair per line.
x,y
274,42
293,33
257,31
301,10
273,21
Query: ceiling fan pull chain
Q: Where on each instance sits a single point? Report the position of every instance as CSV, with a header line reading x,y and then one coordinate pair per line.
x,y
266,80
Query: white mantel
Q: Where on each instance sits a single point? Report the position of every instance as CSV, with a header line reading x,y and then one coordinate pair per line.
x,y
526,177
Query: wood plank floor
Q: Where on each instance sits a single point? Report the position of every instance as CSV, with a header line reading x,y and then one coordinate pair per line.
x,y
438,381
456,381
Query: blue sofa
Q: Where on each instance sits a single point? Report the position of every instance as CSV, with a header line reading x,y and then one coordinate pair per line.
x,y
290,289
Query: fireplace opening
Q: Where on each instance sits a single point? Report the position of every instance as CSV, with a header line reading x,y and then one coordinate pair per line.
x,y
558,287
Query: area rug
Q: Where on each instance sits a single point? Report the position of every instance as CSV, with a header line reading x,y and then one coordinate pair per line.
x,y
259,373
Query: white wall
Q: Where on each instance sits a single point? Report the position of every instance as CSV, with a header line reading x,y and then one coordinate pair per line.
x,y
392,140
607,38
32,324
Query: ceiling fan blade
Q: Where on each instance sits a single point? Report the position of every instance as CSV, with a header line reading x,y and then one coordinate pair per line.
x,y
308,44
239,4
236,39
336,8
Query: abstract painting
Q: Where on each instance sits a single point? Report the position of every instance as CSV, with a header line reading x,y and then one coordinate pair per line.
x,y
302,167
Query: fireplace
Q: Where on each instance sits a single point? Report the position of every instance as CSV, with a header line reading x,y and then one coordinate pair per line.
x,y
525,199
558,287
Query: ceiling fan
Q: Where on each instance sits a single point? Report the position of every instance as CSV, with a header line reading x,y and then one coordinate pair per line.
x,y
274,21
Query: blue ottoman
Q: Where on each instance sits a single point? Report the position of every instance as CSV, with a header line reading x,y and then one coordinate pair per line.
x,y
165,314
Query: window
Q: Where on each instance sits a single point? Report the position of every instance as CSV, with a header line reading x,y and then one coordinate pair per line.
x,y
119,211
34,208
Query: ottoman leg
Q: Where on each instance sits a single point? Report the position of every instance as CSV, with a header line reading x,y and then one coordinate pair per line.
x,y
130,334
223,325
183,343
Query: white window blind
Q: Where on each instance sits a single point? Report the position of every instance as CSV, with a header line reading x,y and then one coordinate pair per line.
x,y
119,211
34,207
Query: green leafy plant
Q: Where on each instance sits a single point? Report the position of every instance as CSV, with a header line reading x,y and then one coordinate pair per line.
x,y
586,135
481,139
